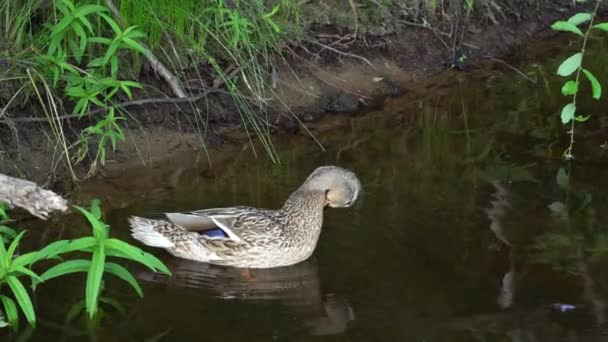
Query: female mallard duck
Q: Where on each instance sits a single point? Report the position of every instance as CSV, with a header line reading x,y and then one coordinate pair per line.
x,y
250,237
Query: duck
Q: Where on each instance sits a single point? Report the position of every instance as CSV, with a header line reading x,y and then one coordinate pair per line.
x,y
248,237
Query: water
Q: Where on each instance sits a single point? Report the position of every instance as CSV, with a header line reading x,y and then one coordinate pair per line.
x,y
465,231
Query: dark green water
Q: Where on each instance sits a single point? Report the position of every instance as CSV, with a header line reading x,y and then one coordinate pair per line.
x,y
463,233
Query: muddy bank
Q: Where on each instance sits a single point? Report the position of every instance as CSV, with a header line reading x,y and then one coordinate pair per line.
x,y
320,78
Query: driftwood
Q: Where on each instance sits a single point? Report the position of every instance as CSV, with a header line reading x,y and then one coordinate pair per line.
x,y
29,196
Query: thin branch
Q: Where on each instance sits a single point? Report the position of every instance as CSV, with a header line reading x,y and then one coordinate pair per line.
x,y
521,73
156,64
341,52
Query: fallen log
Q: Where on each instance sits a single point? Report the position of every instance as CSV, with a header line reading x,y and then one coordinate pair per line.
x,y
28,195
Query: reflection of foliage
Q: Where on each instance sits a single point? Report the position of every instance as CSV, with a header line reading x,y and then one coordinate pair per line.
x,y
575,239
561,250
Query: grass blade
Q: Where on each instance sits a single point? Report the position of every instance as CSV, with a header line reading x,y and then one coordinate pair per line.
x,y
124,274
23,298
94,278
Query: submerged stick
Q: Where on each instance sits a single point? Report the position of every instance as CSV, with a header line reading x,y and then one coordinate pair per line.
x,y
29,196
156,64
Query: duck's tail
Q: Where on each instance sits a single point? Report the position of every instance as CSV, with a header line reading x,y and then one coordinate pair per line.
x,y
150,232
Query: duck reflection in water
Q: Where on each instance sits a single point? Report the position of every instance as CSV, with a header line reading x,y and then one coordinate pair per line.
x,y
297,287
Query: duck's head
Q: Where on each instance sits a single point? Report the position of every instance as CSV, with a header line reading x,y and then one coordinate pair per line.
x,y
340,186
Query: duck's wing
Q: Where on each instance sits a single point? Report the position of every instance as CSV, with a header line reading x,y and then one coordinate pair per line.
x,y
235,222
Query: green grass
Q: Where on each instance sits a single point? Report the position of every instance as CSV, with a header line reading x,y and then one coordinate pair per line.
x,y
75,56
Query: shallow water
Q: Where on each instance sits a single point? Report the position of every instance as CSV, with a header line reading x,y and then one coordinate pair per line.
x,y
464,231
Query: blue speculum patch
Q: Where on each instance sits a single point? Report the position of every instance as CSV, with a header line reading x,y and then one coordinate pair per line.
x,y
215,232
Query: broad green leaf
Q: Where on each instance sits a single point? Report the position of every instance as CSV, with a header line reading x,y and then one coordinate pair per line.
x,y
134,45
596,87
23,299
570,88
274,11
88,9
111,51
95,223
96,62
3,214
579,18
112,24
62,25
94,277
13,246
570,64
568,113
567,27
581,118
84,21
114,67
121,249
125,275
100,40
8,231
96,208
601,26
66,267
75,50
55,248
10,309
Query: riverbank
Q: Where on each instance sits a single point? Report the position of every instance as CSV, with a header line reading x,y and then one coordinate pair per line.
x,y
337,70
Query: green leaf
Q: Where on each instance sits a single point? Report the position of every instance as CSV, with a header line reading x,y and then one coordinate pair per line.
x,y
134,45
125,275
596,87
56,248
66,267
579,18
100,40
568,113
601,26
580,118
124,250
96,62
10,309
28,272
94,277
95,208
570,88
23,298
13,246
62,25
97,226
570,64
111,51
567,27
112,24
114,66
88,9
8,231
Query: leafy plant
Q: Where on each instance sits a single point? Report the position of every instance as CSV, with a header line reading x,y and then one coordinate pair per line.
x,y
79,29
14,267
573,65
101,246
